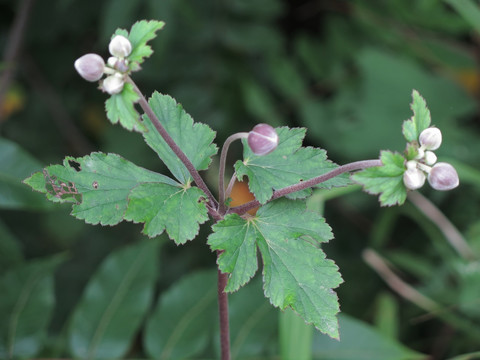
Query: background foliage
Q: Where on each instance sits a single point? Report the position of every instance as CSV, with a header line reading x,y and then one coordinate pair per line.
x,y
345,70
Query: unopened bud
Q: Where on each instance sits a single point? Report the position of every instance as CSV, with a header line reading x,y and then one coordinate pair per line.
x,y
120,46
431,138
443,176
263,139
90,67
113,84
413,178
430,157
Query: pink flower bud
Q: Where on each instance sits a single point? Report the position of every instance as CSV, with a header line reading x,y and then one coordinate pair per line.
x,y
113,84
90,67
443,176
413,178
263,139
120,46
431,138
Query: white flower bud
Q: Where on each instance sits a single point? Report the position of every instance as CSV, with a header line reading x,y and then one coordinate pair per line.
x,y
431,138
413,178
430,158
263,139
120,46
113,84
90,67
443,176
111,61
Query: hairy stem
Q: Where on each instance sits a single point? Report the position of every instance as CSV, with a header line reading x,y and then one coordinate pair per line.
x,y
223,313
221,172
173,145
302,185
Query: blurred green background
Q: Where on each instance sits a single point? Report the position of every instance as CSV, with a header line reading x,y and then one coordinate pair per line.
x,y
343,69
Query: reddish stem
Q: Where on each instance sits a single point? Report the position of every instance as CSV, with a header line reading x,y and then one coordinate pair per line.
x,y
223,314
357,165
173,145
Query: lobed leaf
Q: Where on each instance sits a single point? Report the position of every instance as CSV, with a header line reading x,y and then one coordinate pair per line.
x,y
386,180
420,120
140,33
288,164
296,272
120,108
97,184
194,139
177,210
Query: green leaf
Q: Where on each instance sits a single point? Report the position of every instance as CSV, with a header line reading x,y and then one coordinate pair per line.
x,y
296,272
286,165
182,323
194,139
10,250
26,305
386,180
98,184
420,120
141,32
15,165
121,108
113,305
360,341
178,210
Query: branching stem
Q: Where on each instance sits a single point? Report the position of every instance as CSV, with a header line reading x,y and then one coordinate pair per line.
x,y
173,145
302,185
221,172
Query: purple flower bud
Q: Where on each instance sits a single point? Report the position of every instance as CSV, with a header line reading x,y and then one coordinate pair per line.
x,y
120,46
90,67
263,139
113,84
413,178
431,138
443,176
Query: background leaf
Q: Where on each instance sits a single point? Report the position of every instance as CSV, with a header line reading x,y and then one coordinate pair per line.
x,y
15,165
194,139
182,322
26,305
360,341
114,303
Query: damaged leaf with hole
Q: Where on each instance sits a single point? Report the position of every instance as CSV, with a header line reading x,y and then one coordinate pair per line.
x,y
78,181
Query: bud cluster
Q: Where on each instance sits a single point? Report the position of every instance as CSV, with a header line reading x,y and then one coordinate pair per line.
x,y
440,176
92,67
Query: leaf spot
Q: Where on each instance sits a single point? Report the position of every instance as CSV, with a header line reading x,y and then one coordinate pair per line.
x,y
75,165
95,184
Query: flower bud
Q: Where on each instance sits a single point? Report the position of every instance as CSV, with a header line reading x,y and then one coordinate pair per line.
x,y
443,176
113,84
430,138
120,46
90,67
263,139
430,157
413,178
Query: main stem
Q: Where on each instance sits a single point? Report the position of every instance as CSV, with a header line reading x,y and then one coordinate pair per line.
x,y
173,145
223,312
